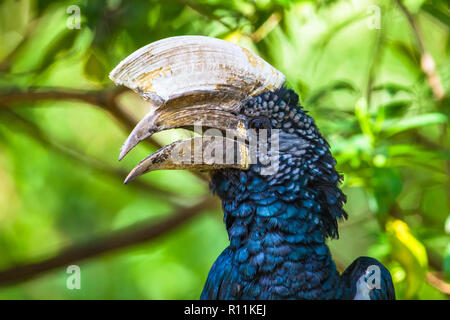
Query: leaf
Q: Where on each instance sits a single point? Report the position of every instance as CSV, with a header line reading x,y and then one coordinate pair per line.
x,y
411,254
437,13
416,152
154,15
413,5
61,44
446,266
328,36
408,53
363,116
386,184
94,68
447,225
393,109
394,126
335,85
302,89
392,88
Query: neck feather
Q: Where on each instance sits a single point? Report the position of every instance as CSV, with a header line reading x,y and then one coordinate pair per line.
x,y
277,240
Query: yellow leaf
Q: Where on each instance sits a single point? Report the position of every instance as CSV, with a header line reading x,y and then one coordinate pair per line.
x,y
234,37
410,253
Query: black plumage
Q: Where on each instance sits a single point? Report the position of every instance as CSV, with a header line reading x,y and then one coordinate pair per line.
x,y
278,224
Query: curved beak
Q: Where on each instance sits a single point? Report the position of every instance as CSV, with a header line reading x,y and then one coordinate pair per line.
x,y
194,81
221,146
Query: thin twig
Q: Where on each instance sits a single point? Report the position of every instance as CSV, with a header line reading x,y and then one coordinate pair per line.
x,y
427,63
205,13
438,283
270,24
116,240
373,66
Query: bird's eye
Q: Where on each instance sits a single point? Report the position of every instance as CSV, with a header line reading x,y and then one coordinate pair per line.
x,y
259,123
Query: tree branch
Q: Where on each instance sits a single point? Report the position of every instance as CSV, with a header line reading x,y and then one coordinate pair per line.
x,y
434,81
117,240
104,244
105,99
35,132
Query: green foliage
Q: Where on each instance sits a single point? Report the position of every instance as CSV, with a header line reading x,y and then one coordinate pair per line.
x,y
370,94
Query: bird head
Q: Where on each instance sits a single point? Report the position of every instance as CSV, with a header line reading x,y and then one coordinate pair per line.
x,y
256,139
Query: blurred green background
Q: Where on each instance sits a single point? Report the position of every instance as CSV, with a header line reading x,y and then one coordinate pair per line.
x,y
374,74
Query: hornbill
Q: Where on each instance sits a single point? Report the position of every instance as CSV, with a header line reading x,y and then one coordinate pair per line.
x,y
279,188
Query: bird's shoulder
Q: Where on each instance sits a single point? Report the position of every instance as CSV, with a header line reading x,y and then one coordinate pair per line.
x,y
218,283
